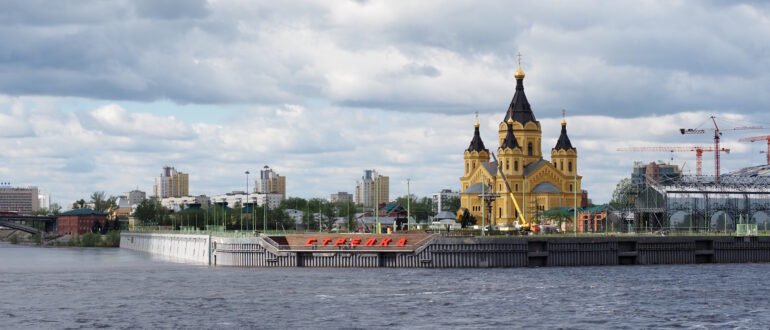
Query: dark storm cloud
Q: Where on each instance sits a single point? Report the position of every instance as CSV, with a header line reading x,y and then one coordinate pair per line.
x,y
617,58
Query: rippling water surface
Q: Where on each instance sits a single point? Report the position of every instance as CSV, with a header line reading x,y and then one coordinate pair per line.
x,y
43,288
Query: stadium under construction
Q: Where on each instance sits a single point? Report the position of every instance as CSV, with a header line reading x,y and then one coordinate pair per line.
x,y
737,202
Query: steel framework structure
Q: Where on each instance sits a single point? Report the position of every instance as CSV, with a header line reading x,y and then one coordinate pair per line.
x,y
700,203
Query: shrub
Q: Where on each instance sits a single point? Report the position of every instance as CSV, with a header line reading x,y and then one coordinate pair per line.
x,y
14,239
74,241
90,240
38,238
112,239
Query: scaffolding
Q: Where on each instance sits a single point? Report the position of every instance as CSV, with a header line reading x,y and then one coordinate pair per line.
x,y
700,204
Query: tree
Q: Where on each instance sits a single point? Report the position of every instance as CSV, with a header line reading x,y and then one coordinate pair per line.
x,y
96,228
102,203
55,209
453,204
146,211
625,194
40,211
79,204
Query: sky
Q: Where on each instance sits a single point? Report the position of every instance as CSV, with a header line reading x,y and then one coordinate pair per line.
x,y
100,95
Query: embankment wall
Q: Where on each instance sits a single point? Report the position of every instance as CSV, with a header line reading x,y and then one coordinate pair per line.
x,y
188,248
466,252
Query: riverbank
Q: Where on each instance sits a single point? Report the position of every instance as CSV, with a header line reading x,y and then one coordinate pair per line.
x,y
109,240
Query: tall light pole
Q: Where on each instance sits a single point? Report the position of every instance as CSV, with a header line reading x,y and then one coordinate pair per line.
x,y
574,212
377,203
408,210
264,218
247,198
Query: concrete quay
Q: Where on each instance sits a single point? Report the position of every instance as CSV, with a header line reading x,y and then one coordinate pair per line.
x,y
434,251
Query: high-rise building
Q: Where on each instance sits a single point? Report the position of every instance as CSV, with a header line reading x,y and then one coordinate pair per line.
x,y
171,183
23,200
341,197
658,172
136,196
270,182
368,187
44,200
440,200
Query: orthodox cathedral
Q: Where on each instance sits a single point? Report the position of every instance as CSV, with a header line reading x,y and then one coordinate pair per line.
x,y
537,184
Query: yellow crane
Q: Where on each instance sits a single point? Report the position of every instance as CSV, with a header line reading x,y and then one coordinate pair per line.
x,y
523,224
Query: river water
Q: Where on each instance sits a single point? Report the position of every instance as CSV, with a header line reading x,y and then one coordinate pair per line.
x,y
55,288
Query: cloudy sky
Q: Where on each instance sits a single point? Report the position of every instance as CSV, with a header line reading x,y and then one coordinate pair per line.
x,y
99,95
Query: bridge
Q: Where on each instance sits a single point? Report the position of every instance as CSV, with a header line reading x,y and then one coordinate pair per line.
x,y
27,223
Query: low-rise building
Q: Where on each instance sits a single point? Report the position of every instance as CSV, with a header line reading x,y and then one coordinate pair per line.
x,y
272,200
80,221
341,197
180,203
136,196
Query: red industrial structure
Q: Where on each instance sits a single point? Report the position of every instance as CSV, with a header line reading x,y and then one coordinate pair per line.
x,y
760,138
697,149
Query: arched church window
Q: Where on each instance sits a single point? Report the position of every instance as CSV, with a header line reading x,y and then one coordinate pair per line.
x,y
507,164
500,212
570,187
569,166
474,165
466,167
516,187
562,165
515,165
529,149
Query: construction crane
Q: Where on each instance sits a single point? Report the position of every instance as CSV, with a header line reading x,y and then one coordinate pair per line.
x,y
697,149
522,224
757,139
717,133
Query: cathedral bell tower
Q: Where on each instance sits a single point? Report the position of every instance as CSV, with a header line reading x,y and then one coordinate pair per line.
x,y
525,126
564,155
476,155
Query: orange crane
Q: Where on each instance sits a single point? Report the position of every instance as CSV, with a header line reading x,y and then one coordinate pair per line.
x,y
760,138
717,134
697,149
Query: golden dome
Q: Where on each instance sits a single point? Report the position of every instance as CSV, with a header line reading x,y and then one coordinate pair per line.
x,y
563,122
477,120
510,121
519,73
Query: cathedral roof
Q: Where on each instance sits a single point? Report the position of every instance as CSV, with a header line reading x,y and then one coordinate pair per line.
x,y
510,139
531,167
491,167
476,189
564,143
520,110
476,143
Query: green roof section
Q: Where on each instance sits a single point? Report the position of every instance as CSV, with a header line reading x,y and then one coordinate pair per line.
x,y
83,212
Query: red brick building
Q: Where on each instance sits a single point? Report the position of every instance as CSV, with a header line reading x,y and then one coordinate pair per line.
x,y
80,221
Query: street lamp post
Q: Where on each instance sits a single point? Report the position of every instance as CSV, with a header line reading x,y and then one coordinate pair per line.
x,y
247,199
